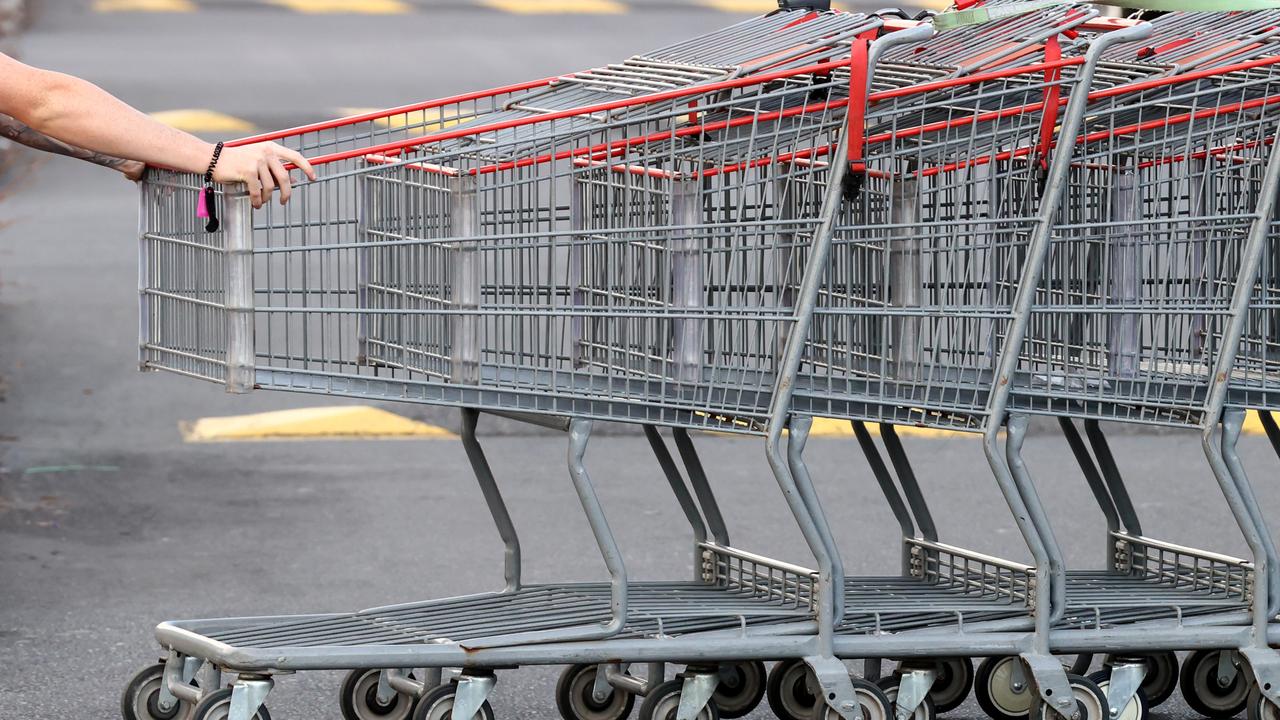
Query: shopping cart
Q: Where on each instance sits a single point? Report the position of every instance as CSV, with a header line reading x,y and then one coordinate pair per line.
x,y
532,266
960,181
1181,44
376,285
940,115
894,356
1133,316
1252,384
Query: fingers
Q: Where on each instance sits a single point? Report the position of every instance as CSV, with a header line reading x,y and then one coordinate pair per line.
x,y
254,184
268,182
262,168
295,158
281,175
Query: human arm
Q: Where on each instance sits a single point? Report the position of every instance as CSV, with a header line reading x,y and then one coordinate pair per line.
x,y
11,129
82,115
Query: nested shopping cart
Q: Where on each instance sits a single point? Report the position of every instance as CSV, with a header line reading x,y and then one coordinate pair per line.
x,y
1230,50
1253,385
1225,60
1140,297
928,344
947,188
933,369
528,265
966,110
440,270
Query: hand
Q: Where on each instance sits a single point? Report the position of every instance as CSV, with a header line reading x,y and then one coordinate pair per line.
x,y
261,168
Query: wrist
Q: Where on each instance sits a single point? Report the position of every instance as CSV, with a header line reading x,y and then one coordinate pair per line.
x,y
196,157
215,156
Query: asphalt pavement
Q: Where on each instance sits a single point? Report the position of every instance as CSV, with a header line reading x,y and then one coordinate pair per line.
x,y
109,523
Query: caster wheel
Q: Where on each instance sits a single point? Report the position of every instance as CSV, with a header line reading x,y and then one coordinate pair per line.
x,y
926,710
438,705
1090,701
141,698
871,701
741,688
1204,691
790,691
994,690
1162,676
217,706
358,699
1137,707
575,698
952,685
1260,708
663,701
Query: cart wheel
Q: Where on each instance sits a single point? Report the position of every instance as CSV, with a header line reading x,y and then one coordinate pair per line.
x,y
790,691
1090,701
217,706
741,688
993,688
575,699
1162,676
953,684
925,711
141,697
871,701
1138,705
438,705
358,699
1260,708
663,701
1203,691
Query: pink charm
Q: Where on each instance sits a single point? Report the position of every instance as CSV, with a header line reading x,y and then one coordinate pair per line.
x,y
202,206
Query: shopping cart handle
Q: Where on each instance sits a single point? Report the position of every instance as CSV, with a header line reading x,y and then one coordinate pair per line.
x,y
1132,33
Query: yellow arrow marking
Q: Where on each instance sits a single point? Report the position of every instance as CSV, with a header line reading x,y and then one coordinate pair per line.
x,y
557,7
325,423
350,7
203,121
105,6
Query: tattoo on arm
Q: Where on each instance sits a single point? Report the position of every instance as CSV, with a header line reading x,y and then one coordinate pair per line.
x,y
19,133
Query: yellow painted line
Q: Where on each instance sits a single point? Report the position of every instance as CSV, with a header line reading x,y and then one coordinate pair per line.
x,y
425,121
324,423
938,5
1253,426
831,427
203,121
557,7
349,7
748,7
106,6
